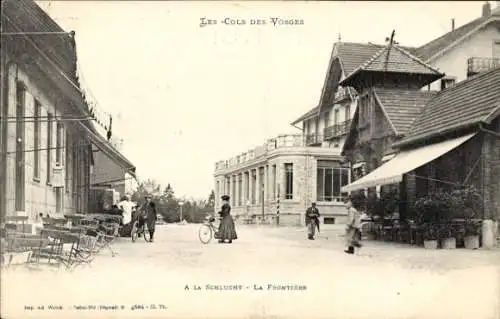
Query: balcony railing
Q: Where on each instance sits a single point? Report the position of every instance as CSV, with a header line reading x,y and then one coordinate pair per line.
x,y
341,94
314,139
477,65
282,141
337,130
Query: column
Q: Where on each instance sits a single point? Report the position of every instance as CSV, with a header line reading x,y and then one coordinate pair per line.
x,y
266,183
257,186
238,191
250,186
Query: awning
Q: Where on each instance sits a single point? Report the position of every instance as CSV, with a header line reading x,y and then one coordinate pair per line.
x,y
404,162
103,145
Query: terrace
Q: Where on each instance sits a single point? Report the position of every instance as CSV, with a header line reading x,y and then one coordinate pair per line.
x,y
281,142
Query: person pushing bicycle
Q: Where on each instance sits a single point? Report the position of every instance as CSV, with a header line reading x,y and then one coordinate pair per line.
x,y
147,214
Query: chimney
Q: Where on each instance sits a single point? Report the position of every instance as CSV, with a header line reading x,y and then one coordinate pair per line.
x,y
486,9
452,24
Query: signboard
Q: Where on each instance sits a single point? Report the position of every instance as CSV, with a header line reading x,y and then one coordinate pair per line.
x,y
57,177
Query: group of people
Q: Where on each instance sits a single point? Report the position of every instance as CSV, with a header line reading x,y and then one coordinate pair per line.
x,y
353,229
144,214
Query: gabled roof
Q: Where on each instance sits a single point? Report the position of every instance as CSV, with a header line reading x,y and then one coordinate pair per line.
x,y
352,55
467,103
402,106
428,51
393,59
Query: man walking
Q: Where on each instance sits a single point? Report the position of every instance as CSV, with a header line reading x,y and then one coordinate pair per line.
x,y
312,220
149,210
353,231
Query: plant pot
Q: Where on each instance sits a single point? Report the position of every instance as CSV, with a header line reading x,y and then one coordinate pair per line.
x,y
449,243
471,242
430,244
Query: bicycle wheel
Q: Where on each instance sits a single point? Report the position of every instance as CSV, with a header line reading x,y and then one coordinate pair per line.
x,y
205,233
133,233
146,234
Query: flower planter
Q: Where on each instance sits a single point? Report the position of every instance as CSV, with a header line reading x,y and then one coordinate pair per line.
x,y
471,242
449,243
430,244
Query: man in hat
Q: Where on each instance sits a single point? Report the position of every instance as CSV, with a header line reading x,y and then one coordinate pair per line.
x,y
353,231
149,211
312,220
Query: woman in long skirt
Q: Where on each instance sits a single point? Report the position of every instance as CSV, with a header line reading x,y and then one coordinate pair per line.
x,y
227,229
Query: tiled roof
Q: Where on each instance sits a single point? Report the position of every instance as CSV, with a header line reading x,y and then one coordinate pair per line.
x,y
307,115
352,55
428,50
466,103
393,58
402,106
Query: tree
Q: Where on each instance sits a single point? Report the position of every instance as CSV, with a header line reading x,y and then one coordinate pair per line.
x,y
211,199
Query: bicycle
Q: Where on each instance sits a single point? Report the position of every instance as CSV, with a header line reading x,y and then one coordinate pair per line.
x,y
208,230
138,231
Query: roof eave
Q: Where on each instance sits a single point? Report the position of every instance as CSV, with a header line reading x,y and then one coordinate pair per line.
x,y
420,138
456,42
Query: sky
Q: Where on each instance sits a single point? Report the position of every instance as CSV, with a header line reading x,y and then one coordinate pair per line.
x,y
184,97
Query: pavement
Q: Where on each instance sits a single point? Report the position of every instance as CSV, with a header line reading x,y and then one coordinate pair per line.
x,y
267,272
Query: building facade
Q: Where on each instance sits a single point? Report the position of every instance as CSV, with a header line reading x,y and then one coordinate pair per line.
x,y
453,143
270,182
47,131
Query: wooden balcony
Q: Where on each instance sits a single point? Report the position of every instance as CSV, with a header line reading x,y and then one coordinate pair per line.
x,y
477,65
337,130
341,95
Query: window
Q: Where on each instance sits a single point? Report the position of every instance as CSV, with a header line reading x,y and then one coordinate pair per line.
x,y
326,118
288,181
446,83
496,49
261,184
59,143
358,170
20,145
347,112
67,162
330,178
50,121
247,188
36,141
336,117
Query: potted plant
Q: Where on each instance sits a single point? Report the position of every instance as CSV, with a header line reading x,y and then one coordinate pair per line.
x,y
446,213
430,236
467,203
426,208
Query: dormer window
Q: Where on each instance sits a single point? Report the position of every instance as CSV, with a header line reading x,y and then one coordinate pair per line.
x,y
447,82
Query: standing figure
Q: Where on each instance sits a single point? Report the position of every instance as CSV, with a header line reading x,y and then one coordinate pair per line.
x,y
227,230
149,211
353,231
126,207
312,220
